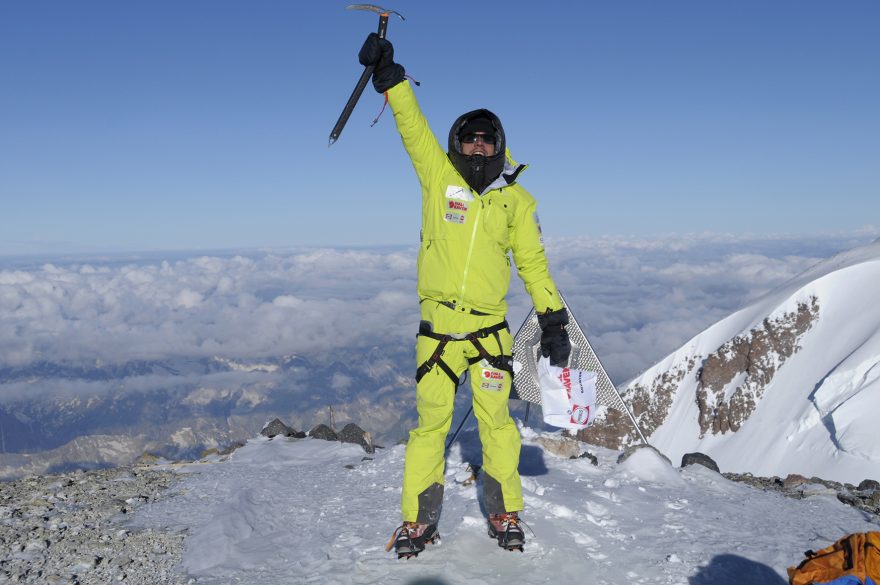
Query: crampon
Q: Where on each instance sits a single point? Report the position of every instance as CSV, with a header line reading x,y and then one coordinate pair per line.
x,y
410,538
506,529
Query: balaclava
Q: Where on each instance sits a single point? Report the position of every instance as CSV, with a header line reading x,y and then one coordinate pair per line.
x,y
479,171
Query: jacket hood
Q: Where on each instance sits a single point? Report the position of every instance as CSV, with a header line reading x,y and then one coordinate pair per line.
x,y
479,171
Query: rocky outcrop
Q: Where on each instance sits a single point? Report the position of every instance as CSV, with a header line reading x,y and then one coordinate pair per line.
x,y
865,497
68,529
732,380
649,404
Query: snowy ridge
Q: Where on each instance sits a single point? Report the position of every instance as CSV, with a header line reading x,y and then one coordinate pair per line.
x,y
308,511
795,376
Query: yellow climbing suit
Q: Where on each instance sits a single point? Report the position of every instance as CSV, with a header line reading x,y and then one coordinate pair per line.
x,y
463,278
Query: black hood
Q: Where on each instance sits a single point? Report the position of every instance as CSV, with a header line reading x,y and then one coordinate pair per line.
x,y
479,171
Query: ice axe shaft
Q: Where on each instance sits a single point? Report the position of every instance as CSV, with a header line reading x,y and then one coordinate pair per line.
x,y
368,70
458,430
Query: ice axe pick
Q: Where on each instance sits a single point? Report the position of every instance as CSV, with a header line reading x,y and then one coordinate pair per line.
x,y
368,70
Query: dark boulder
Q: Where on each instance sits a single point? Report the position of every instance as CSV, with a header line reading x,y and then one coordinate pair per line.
x,y
587,455
276,427
699,459
869,485
323,432
352,433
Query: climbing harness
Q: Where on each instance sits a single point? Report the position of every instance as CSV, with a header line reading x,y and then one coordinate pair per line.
x,y
499,362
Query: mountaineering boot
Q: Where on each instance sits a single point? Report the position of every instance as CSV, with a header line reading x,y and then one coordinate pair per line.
x,y
505,528
411,537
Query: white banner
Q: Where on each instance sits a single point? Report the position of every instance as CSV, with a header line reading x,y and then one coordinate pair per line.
x,y
568,396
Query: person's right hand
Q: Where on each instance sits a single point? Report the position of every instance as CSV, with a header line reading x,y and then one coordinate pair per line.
x,y
379,53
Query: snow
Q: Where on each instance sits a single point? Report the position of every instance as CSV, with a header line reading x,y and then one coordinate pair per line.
x,y
812,417
309,511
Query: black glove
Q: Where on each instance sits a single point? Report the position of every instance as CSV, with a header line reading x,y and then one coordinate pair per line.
x,y
554,337
379,53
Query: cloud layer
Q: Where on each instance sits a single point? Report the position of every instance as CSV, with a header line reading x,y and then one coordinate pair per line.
x,y
636,299
243,307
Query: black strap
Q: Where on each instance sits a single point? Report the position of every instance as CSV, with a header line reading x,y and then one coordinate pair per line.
x,y
499,362
436,358
479,333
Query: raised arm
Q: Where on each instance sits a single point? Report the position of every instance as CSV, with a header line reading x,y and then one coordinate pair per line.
x,y
389,78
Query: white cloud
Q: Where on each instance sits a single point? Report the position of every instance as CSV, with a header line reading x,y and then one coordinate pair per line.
x,y
200,307
638,299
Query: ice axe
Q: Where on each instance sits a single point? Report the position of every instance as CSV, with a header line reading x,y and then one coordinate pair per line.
x,y
368,70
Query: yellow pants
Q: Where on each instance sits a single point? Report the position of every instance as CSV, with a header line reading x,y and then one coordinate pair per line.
x,y
435,393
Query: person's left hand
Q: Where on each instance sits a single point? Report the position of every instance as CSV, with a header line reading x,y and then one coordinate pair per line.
x,y
554,338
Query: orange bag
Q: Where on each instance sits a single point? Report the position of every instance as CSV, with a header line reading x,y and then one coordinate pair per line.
x,y
857,555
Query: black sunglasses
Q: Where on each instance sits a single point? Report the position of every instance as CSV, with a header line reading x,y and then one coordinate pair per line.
x,y
472,138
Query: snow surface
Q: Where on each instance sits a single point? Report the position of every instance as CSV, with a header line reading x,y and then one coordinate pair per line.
x,y
817,416
309,511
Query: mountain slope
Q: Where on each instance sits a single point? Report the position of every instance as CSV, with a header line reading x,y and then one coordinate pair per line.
x,y
789,384
309,511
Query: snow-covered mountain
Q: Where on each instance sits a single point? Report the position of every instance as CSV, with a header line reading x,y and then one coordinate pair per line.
x,y
788,384
309,511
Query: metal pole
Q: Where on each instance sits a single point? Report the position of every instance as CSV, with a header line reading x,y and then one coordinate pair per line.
x,y
458,430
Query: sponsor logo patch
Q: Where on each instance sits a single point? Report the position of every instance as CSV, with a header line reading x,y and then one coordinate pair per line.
x,y
492,379
453,217
492,386
457,205
580,415
460,193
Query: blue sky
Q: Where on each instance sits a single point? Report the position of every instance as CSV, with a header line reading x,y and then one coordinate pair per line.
x,y
203,124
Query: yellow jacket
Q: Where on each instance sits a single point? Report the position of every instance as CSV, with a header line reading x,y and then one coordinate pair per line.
x,y
466,236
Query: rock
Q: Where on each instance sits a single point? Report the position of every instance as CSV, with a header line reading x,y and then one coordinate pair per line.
x,y
565,447
794,480
816,489
699,459
324,432
238,444
633,448
144,459
89,545
352,433
849,499
275,428
587,455
869,485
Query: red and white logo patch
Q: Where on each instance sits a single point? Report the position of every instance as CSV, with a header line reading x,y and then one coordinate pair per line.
x,y
453,217
492,380
580,415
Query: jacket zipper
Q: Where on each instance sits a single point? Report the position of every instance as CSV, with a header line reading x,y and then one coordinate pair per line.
x,y
467,262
